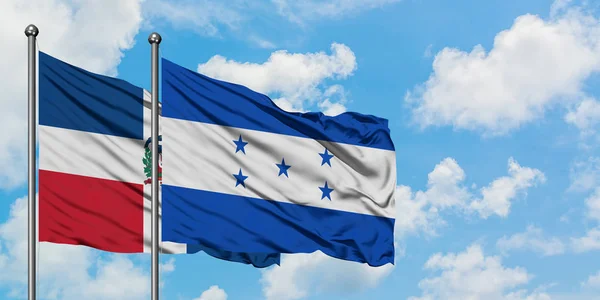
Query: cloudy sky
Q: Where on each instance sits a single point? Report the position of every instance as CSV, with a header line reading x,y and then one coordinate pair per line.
x,y
493,108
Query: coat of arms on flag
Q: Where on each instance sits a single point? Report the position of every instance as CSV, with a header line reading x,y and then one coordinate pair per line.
x,y
147,160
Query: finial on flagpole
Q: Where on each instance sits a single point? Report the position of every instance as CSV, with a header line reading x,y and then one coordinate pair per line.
x,y
154,38
33,30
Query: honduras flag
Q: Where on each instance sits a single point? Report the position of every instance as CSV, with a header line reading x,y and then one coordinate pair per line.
x,y
94,169
242,175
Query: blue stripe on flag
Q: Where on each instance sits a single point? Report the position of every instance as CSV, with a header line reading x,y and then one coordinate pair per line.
x,y
258,260
243,224
73,98
191,96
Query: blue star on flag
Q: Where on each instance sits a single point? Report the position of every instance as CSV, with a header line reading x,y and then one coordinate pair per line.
x,y
326,191
239,177
240,144
326,157
283,168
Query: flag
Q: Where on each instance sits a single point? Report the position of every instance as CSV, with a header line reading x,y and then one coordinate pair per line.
x,y
240,174
94,164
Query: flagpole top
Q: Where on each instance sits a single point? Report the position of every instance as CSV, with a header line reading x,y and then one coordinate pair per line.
x,y
154,38
31,30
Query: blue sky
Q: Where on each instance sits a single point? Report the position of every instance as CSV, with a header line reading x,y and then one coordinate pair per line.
x,y
492,108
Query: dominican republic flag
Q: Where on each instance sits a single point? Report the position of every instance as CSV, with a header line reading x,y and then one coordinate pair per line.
x,y
94,165
242,175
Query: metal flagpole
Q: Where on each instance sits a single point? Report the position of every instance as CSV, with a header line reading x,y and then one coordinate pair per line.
x,y
31,32
154,39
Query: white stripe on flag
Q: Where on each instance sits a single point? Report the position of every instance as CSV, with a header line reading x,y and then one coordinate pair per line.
x,y
91,154
361,177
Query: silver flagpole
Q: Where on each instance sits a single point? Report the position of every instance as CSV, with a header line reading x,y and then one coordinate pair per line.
x,y
31,32
154,39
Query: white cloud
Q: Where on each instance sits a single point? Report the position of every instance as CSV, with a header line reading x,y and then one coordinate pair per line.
x,y
419,211
292,79
202,16
532,239
592,282
89,276
585,175
497,196
303,274
168,266
446,190
589,242
301,11
117,278
216,18
586,116
532,66
210,17
262,43
69,31
565,218
524,295
164,269
331,109
472,275
428,51
559,6
335,99
213,293
592,204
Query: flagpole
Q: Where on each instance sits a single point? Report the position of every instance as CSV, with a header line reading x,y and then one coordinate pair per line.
x,y
154,39
31,32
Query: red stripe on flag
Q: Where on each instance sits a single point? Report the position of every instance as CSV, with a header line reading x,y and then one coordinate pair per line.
x,y
99,213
